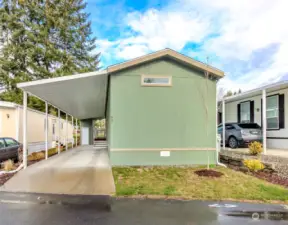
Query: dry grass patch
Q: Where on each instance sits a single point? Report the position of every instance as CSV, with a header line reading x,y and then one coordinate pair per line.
x,y
8,165
183,182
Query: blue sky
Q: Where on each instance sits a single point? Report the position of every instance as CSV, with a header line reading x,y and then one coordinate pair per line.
x,y
246,39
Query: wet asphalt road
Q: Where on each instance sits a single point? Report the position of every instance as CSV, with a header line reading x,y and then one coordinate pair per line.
x,y
18,209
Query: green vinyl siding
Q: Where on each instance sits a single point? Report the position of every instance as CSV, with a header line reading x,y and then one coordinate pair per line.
x,y
139,158
162,117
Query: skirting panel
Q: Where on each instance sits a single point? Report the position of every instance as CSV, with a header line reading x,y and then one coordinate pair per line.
x,y
146,158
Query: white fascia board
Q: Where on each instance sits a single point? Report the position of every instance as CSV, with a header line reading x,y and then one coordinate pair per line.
x,y
59,79
244,94
8,104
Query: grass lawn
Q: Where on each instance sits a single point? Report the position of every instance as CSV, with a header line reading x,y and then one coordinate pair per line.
x,y
184,183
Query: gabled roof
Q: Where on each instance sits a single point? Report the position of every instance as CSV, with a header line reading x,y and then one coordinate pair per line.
x,y
167,53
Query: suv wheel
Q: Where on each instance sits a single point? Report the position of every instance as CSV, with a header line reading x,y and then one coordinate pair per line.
x,y
232,142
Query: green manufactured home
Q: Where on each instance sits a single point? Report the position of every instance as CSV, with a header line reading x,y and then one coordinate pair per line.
x,y
161,110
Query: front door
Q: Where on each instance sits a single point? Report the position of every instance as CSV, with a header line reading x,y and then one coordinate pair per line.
x,y
85,136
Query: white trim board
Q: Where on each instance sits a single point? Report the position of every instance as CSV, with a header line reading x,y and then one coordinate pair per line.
x,y
161,149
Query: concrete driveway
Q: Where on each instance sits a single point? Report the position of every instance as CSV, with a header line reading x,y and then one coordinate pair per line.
x,y
80,171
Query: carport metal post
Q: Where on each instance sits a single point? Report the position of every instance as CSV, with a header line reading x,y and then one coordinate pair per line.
x,y
59,131
76,132
264,122
46,130
25,129
66,144
72,132
223,123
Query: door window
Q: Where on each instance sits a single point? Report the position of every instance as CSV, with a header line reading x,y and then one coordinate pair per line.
x,y
10,142
2,144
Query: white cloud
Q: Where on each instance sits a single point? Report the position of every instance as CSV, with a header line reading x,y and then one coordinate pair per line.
x,y
232,31
131,51
154,30
249,26
161,29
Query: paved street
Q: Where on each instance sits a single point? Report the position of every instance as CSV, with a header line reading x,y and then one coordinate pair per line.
x,y
20,209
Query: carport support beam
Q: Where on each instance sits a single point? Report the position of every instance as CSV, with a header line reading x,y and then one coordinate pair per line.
x,y
66,144
264,122
223,124
59,131
76,132
25,129
72,132
46,131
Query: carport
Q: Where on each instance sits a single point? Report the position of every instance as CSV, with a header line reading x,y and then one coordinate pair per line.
x,y
81,96
82,170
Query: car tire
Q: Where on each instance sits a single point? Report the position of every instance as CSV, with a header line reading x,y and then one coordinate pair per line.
x,y
232,142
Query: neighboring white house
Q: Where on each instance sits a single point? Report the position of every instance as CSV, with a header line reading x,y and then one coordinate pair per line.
x,y
11,116
247,107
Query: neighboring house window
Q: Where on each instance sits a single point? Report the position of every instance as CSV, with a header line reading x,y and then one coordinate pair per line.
x,y
245,112
147,80
53,129
272,112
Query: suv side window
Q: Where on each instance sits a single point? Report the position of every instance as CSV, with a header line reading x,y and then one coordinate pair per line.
x,y
229,127
2,143
220,128
10,142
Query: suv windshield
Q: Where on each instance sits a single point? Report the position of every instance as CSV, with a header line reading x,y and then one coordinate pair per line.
x,y
249,125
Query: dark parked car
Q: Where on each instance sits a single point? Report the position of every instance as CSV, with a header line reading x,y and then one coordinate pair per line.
x,y
9,149
240,134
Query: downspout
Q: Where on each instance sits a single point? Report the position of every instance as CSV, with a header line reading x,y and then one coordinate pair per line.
x,y
217,136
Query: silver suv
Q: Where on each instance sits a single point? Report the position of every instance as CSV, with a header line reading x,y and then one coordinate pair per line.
x,y
240,134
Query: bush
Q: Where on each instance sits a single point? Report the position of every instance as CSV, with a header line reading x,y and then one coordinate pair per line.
x,y
53,151
8,165
254,164
255,148
36,156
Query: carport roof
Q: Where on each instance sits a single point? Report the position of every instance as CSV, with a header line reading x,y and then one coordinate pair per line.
x,y
258,91
84,95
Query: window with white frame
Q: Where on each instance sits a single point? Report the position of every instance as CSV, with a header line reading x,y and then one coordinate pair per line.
x,y
149,80
272,112
245,112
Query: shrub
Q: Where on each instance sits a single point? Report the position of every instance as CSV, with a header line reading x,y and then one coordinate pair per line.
x,y
8,165
36,156
53,151
255,148
254,164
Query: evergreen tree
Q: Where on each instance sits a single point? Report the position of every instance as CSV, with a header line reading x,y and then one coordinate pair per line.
x,y
42,39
